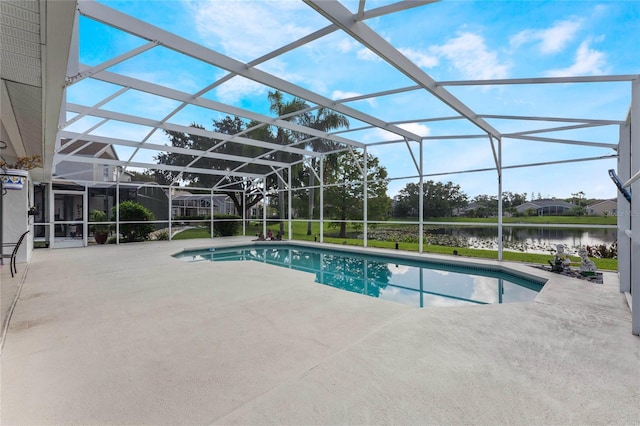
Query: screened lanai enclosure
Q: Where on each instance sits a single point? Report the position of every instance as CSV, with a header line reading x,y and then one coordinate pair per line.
x,y
367,115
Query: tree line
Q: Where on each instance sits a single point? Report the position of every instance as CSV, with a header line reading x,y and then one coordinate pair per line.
x,y
342,171
343,196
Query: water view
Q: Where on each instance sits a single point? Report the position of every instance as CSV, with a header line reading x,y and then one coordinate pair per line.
x,y
531,239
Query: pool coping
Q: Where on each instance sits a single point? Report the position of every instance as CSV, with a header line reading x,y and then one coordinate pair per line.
x,y
551,281
523,270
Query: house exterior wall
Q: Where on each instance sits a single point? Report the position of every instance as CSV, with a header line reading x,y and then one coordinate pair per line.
x,y
545,207
200,206
603,208
87,172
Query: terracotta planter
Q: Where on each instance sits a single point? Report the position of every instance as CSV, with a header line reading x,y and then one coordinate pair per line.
x,y
100,237
13,178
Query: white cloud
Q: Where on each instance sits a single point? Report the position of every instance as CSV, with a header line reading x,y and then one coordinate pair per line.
x,y
347,45
247,32
469,54
398,269
417,128
587,62
379,135
551,40
421,59
339,94
485,289
367,55
399,295
439,302
237,88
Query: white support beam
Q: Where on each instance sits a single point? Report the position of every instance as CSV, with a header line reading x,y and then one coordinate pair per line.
x,y
519,166
119,163
391,8
169,148
552,129
170,208
379,94
499,170
632,179
413,157
360,13
496,156
264,207
543,80
57,154
430,138
125,118
146,31
177,95
365,196
565,141
89,110
344,19
279,176
635,206
88,72
560,119
355,158
624,210
421,200
289,204
322,199
244,213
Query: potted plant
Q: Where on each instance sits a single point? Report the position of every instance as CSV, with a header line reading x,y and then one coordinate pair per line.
x,y
100,231
14,175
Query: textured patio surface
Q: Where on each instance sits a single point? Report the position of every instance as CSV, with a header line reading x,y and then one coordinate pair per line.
x,y
128,335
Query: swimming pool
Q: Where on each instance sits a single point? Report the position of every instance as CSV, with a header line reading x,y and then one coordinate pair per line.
x,y
418,283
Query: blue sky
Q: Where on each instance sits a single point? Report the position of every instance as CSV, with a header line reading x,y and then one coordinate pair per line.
x,y
449,40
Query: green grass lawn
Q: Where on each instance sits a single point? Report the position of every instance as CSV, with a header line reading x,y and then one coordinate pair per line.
x,y
189,234
299,233
577,220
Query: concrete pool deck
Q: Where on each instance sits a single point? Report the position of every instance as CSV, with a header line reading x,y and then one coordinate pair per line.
x,y
128,335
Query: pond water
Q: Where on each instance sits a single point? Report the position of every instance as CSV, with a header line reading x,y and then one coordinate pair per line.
x,y
530,239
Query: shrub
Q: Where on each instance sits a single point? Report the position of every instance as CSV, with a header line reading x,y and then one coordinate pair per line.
x,y
194,217
132,211
227,228
99,216
162,235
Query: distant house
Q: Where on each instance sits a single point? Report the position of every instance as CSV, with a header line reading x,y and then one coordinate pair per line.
x,y
545,207
602,208
93,172
471,207
186,204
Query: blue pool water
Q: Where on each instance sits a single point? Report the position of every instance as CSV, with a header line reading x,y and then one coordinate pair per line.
x,y
416,283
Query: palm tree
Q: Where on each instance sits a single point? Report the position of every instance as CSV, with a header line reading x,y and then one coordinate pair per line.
x,y
282,108
323,120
